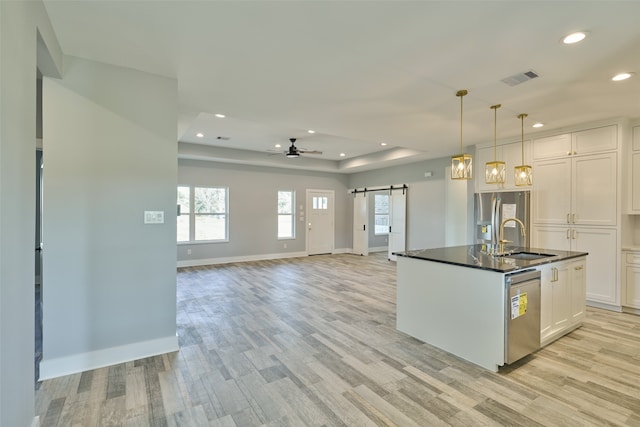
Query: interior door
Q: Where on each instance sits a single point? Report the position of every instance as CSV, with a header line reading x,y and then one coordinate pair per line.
x,y
398,222
360,224
320,228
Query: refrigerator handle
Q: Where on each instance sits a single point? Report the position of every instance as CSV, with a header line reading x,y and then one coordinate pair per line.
x,y
495,220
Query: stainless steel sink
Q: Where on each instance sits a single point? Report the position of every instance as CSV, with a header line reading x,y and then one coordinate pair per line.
x,y
527,255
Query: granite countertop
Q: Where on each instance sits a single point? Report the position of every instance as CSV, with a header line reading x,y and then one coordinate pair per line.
x,y
476,256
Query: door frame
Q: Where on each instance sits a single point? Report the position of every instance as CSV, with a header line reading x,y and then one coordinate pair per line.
x,y
309,205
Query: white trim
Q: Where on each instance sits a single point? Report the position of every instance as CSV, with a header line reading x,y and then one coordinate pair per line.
x,y
604,306
379,249
36,421
227,260
53,368
342,251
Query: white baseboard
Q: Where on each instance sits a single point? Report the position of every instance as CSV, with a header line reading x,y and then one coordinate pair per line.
x,y
227,260
342,251
53,368
604,306
379,249
36,421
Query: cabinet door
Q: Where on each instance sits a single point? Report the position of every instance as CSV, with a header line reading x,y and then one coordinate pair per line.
x,y
544,237
595,140
632,282
635,181
546,301
552,146
636,138
578,290
512,155
552,191
594,190
561,295
602,262
484,155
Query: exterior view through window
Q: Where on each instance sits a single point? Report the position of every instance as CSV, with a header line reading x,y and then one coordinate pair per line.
x,y
381,212
203,214
286,214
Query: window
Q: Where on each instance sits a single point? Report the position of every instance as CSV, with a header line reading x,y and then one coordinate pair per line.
x,y
203,213
320,202
286,214
381,212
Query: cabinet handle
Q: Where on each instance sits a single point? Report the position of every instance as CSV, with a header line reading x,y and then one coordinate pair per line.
x,y
568,218
574,234
568,233
573,218
568,153
554,274
575,152
578,267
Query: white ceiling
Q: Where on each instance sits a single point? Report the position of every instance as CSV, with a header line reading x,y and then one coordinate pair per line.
x,y
360,73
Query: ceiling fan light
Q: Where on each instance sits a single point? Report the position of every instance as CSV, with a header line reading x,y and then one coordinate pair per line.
x,y
292,154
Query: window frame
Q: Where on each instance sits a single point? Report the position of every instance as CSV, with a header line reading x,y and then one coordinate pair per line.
x,y
292,214
387,214
192,216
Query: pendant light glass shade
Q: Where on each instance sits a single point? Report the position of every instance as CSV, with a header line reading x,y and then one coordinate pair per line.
x,y
495,172
523,174
461,164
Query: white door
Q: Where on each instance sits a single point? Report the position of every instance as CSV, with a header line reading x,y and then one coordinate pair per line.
x,y
398,222
320,232
360,224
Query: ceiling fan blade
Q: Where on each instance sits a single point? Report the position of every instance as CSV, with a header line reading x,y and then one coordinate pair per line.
x,y
310,151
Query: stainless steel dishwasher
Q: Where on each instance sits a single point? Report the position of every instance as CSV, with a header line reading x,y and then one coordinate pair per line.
x,y
522,325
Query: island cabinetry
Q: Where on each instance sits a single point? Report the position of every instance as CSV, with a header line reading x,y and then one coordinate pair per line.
x,y
562,290
631,272
600,243
576,204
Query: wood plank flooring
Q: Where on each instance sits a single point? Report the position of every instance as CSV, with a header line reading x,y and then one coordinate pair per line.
x,y
312,342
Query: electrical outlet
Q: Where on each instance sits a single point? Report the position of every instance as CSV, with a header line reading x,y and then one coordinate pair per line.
x,y
285,246
188,251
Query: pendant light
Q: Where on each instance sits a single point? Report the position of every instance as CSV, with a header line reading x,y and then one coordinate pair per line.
x,y
495,172
461,164
523,173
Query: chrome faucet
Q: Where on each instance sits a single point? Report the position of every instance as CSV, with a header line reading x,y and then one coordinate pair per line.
x,y
502,241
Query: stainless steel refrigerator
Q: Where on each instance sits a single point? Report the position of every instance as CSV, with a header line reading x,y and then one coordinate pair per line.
x,y
492,208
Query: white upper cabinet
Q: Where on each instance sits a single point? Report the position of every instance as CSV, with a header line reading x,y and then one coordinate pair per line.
x,y
595,140
588,141
552,191
636,138
634,165
552,146
593,192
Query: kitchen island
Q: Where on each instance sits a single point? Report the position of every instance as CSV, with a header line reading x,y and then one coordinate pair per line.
x,y
455,298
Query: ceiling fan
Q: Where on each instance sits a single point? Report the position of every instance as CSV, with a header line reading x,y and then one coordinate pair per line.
x,y
294,151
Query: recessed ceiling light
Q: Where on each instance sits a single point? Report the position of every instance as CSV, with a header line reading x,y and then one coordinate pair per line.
x,y
342,154
200,135
538,125
311,131
621,76
574,37
220,116
383,144
278,145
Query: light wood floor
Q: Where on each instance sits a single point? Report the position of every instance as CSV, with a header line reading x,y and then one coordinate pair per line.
x,y
312,342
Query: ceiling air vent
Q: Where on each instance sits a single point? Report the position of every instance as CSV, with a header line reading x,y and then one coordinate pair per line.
x,y
223,138
516,79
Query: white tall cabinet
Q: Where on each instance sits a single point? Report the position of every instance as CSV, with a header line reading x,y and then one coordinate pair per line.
x,y
576,206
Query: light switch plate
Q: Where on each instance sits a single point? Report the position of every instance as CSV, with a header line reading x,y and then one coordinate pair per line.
x,y
154,217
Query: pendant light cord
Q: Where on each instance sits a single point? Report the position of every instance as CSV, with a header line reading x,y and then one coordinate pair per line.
x,y
461,94
522,116
495,127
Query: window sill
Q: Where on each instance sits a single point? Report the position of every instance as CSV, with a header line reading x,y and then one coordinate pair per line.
x,y
286,238
202,242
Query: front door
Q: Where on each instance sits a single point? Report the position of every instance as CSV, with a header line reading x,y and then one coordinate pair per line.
x,y
320,229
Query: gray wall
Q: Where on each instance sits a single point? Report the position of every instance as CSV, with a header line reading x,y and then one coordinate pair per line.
x,y
20,23
252,207
110,151
425,198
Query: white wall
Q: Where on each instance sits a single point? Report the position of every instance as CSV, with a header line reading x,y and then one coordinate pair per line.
x,y
19,26
109,281
253,192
